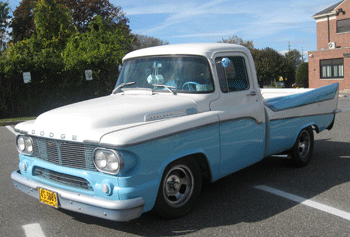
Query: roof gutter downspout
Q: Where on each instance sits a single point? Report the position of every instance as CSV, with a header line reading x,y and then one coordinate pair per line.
x,y
329,30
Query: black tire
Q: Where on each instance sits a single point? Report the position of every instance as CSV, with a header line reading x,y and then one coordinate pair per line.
x,y
302,150
179,189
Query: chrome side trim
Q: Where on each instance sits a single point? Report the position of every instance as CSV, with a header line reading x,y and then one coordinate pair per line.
x,y
113,146
115,210
311,115
287,156
271,107
240,118
169,114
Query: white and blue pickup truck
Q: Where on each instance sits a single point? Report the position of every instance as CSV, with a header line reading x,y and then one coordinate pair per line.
x,y
179,116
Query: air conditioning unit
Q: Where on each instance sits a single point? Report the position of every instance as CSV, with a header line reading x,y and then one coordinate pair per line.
x,y
331,45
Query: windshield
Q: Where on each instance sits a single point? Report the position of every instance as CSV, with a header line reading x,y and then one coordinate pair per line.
x,y
189,74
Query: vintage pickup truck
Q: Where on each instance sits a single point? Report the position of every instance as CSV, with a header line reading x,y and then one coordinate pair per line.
x,y
179,116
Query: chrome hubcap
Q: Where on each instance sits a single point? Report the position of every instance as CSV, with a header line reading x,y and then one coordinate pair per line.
x,y
304,144
178,186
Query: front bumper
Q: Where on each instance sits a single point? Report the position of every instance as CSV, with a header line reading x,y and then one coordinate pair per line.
x,y
116,210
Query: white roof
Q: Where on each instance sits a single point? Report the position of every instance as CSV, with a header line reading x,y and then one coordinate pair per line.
x,y
202,49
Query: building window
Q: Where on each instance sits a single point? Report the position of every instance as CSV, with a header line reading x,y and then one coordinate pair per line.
x,y
332,68
343,26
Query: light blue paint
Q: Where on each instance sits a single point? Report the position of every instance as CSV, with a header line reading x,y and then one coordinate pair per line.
x,y
309,97
141,179
156,155
94,178
283,133
228,147
242,144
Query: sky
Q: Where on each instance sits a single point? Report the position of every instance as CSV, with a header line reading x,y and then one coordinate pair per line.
x,y
278,24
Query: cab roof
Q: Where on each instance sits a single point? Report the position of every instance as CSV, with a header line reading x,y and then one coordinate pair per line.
x,y
201,49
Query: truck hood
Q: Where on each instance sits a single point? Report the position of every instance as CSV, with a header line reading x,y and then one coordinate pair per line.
x,y
89,120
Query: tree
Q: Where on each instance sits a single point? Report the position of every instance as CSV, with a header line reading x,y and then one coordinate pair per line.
x,y
82,11
236,40
294,57
52,20
41,56
302,76
269,64
23,21
4,23
57,56
101,50
288,72
144,41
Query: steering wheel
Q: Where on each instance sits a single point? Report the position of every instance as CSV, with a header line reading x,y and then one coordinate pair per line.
x,y
191,85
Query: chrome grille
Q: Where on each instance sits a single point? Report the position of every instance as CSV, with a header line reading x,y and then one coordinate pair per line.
x,y
64,179
63,153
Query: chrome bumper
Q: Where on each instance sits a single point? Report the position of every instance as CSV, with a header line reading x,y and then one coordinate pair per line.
x,y
120,210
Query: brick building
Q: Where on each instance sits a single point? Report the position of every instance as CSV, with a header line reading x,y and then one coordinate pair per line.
x,y
331,62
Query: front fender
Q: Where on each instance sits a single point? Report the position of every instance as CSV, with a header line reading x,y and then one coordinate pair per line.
x,y
154,156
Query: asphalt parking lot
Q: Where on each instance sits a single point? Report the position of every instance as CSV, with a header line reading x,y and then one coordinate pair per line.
x,y
266,199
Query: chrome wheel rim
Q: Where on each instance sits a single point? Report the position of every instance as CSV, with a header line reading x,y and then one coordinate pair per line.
x,y
178,186
304,144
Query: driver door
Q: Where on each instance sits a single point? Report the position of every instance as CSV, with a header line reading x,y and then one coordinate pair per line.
x,y
241,113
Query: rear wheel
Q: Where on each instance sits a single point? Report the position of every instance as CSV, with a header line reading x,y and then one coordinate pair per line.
x,y
180,187
303,148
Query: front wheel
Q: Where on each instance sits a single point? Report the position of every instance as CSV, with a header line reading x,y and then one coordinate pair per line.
x,y
180,187
303,148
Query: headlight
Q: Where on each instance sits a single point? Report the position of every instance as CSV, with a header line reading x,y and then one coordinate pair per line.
x,y
24,145
108,161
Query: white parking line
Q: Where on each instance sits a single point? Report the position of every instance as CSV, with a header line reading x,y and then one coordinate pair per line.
x,y
11,130
306,202
33,230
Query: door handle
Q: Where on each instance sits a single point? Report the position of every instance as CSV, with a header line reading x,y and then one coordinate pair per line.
x,y
252,93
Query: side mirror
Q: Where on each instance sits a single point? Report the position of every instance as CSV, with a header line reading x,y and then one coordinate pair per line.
x,y
225,62
120,68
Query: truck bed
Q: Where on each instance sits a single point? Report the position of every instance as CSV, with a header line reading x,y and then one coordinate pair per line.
x,y
309,96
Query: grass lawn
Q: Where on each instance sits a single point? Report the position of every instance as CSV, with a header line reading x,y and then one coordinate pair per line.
x,y
14,120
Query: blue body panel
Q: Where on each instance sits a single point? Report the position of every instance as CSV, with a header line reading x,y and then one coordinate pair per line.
x,y
144,178
157,154
242,144
96,179
297,100
283,133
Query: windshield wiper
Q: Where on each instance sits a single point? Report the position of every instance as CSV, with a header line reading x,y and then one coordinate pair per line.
x,y
169,88
122,85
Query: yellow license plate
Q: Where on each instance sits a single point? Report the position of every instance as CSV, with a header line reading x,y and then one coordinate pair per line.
x,y
48,197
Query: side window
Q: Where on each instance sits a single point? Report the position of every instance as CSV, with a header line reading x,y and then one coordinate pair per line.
x,y
232,73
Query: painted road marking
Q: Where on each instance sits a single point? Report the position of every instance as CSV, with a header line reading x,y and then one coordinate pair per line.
x,y
33,230
11,130
306,202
